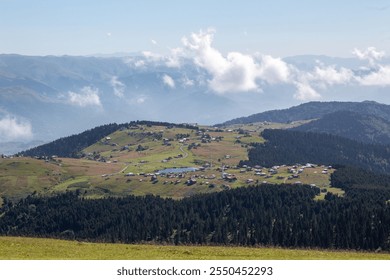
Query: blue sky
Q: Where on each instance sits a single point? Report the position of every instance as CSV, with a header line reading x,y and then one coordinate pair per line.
x,y
279,28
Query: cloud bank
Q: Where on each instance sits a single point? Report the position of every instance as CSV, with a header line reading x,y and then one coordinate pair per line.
x,y
12,129
236,72
370,54
381,77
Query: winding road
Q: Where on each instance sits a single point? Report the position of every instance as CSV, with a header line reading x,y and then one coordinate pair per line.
x,y
185,154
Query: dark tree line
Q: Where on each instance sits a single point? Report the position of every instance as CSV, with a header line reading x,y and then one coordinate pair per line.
x,y
360,183
291,147
266,215
71,146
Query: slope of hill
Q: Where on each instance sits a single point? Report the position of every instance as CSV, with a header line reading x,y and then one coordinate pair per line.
x,y
70,146
353,125
315,110
73,145
290,147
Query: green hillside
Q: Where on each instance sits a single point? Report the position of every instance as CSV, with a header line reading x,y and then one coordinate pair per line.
x,y
21,248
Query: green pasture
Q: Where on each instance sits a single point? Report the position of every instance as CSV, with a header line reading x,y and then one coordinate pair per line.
x,y
22,248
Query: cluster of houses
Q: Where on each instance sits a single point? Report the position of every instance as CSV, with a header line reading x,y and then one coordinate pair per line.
x,y
256,173
175,178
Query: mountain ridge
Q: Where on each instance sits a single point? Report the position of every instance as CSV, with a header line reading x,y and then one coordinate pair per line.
x,y
366,128
314,110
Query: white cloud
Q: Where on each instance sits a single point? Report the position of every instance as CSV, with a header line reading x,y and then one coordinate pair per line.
x,y
381,77
379,74
139,63
274,70
173,60
154,42
12,129
167,80
118,86
308,83
147,58
87,97
205,56
305,92
150,56
370,54
236,72
329,75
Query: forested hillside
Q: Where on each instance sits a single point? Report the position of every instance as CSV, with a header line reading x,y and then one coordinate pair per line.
x,y
290,147
362,184
267,215
315,110
353,125
70,146
348,177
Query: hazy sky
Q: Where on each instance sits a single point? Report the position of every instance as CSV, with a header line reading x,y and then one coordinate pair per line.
x,y
277,27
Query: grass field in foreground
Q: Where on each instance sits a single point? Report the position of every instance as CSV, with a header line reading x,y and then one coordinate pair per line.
x,y
51,249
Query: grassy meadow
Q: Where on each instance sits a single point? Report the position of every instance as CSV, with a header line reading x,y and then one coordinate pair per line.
x,y
21,248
